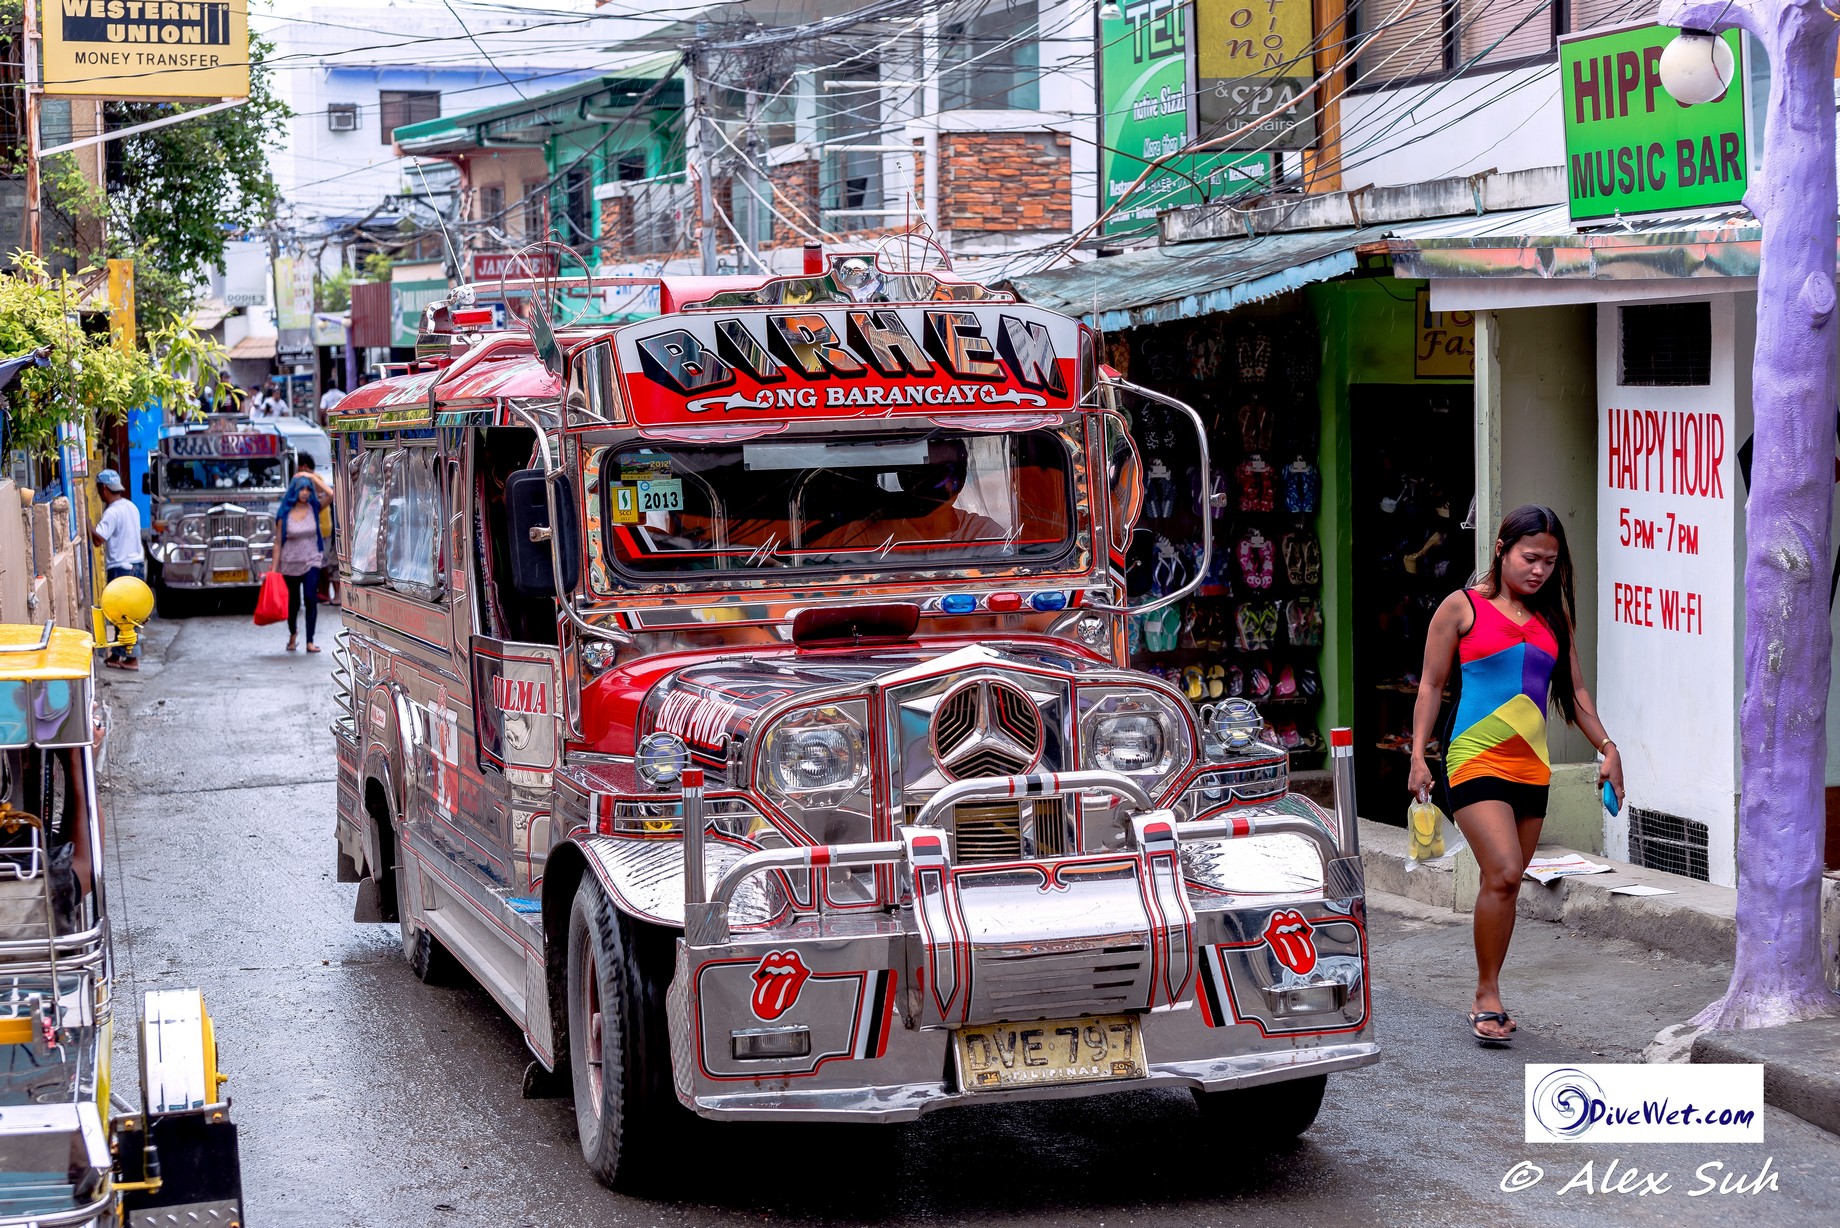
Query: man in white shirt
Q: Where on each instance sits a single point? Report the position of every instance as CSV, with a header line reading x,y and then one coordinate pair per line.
x,y
330,398
118,532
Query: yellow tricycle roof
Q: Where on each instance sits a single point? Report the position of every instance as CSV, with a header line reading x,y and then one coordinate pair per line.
x,y
29,653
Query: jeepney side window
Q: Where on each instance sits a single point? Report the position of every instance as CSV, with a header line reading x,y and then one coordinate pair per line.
x,y
367,519
412,523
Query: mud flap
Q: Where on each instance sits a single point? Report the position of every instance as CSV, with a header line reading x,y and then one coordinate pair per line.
x,y
369,906
196,1159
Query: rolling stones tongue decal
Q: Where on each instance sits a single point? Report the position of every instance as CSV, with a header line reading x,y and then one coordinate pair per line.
x,y
779,979
1290,939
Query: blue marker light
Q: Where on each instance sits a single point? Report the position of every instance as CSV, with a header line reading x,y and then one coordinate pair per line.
x,y
1048,601
959,603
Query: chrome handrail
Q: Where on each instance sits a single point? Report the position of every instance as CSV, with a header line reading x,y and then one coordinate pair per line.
x,y
1244,826
706,924
1040,784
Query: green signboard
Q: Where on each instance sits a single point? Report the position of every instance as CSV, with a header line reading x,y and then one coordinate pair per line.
x,y
1146,84
1629,147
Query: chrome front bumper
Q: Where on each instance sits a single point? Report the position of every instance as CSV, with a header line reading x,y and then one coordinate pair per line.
x,y
859,1009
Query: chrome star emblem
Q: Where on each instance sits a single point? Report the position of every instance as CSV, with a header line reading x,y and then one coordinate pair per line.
x,y
986,728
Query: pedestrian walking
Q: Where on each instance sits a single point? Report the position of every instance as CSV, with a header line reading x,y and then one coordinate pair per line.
x,y
300,546
1512,637
329,399
118,532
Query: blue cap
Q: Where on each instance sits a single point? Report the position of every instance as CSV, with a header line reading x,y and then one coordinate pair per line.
x,y
109,480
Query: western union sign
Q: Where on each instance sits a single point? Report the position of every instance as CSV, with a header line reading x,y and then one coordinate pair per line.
x,y
165,49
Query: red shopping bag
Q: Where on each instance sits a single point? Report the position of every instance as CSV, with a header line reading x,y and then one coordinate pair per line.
x,y
271,606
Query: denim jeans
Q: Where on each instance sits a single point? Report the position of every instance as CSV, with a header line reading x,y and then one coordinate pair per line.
x,y
139,572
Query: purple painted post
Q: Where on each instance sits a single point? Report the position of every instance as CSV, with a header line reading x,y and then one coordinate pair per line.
x,y
1788,644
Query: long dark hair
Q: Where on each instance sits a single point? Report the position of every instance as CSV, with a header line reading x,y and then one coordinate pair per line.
x,y
1554,602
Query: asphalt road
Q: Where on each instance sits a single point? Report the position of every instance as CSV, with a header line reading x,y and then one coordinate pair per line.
x,y
367,1098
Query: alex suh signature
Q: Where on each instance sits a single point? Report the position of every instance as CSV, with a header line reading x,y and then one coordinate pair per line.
x,y
1712,1177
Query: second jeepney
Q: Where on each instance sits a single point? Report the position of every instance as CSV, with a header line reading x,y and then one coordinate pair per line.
x,y
741,695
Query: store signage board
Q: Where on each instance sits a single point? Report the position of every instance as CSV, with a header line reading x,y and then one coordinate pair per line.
x,y
1252,57
1669,498
1444,342
1146,84
413,287
113,49
1630,149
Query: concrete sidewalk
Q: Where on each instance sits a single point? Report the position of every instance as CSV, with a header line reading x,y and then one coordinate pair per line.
x,y
1696,923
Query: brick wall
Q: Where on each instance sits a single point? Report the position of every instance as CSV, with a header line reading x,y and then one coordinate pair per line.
x,y
997,181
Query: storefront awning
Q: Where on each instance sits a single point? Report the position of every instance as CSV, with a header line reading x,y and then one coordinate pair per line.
x,y
1544,244
1181,280
251,348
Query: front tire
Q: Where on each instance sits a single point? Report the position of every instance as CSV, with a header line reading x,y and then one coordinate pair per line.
x,y
619,1043
1269,1114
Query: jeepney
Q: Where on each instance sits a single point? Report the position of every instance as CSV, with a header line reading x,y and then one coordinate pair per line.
x,y
741,696
215,487
72,1152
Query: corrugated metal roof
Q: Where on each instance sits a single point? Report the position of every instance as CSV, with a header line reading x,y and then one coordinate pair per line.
x,y
1545,244
1181,280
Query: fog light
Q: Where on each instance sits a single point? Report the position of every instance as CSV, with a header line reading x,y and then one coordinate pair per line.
x,y
758,1044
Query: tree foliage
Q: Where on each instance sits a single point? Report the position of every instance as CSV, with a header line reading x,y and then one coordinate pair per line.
x,y
90,379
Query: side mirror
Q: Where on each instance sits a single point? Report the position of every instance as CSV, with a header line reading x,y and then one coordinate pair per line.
x,y
533,537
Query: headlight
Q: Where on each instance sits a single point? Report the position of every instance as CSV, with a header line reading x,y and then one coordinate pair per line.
x,y
1136,736
661,759
191,529
821,751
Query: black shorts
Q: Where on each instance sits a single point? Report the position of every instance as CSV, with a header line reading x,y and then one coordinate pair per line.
x,y
1527,801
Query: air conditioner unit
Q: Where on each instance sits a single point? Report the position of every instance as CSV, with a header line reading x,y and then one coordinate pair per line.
x,y
342,117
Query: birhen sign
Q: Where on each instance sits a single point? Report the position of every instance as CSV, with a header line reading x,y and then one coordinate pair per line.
x,y
168,49
1629,147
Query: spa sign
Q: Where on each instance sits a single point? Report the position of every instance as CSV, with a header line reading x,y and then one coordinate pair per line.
x,y
166,49
1629,147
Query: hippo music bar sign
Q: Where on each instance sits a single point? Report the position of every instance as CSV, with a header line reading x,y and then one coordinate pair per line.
x,y
147,48
1629,147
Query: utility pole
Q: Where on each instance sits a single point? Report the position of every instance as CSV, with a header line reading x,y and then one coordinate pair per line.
x,y
35,237
1777,976
702,157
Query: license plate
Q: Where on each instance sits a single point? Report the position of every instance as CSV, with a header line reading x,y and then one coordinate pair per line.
x,y
230,577
998,1055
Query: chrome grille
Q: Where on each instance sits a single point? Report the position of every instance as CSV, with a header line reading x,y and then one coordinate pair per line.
x,y
987,833
222,523
1052,839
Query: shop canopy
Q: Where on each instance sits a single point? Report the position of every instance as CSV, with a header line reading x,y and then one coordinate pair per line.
x,y
1540,257
1178,281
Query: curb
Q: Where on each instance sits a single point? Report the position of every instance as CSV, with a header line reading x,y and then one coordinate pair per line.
x,y
1696,922
1801,1065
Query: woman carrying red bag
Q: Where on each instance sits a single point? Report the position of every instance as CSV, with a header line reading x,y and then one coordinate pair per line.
x,y
299,547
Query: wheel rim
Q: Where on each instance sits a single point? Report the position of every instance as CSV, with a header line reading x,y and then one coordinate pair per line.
x,y
591,1003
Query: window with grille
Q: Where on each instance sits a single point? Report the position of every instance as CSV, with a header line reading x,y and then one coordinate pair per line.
x,y
850,177
535,198
1665,345
1433,38
400,108
1660,841
578,206
992,61
342,117
492,204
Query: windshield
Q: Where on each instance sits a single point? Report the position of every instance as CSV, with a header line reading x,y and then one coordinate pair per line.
x,y
240,473
887,501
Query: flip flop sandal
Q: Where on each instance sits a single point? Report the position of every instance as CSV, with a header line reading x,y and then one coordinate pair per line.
x,y
1216,681
1191,682
1477,1018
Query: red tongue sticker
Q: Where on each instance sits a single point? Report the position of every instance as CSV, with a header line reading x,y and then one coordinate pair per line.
x,y
778,980
1289,937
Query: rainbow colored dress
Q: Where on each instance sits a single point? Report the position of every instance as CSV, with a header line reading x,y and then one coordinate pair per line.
x,y
1499,729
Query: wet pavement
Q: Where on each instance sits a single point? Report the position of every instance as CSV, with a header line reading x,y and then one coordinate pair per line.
x,y
367,1098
